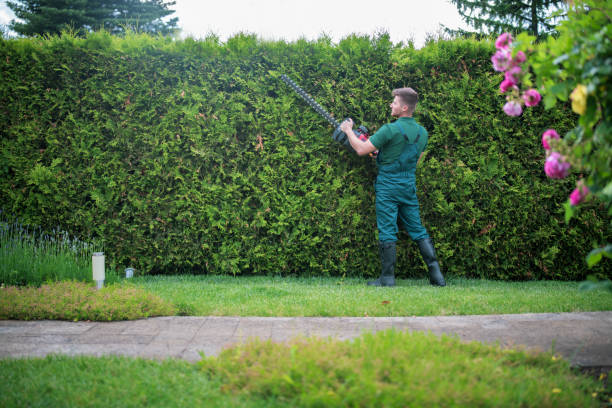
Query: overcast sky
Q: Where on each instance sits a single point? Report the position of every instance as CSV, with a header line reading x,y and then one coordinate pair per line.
x,y
291,20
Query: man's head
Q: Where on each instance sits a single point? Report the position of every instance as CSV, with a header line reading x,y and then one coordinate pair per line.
x,y
404,102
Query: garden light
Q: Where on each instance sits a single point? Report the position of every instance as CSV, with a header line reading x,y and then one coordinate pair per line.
x,y
97,266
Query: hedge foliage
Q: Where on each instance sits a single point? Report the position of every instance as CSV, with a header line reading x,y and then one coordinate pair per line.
x,y
192,156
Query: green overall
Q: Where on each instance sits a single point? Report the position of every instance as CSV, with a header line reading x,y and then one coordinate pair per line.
x,y
396,183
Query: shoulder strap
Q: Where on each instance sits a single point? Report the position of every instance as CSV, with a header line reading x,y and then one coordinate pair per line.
x,y
404,134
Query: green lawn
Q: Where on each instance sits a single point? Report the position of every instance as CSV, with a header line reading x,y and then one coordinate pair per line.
x,y
385,369
275,296
61,381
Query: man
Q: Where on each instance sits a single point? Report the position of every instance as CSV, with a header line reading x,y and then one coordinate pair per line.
x,y
400,145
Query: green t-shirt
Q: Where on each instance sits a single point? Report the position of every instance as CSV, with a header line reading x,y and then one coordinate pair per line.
x,y
390,141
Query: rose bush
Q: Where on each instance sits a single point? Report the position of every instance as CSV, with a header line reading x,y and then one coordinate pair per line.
x,y
547,136
556,167
576,64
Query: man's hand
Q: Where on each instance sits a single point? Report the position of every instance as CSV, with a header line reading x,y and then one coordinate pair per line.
x,y
347,125
361,147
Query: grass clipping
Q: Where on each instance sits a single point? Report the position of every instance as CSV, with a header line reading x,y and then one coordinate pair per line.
x,y
72,300
393,368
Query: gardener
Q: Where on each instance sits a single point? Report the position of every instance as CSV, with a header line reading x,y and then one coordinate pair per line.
x,y
400,145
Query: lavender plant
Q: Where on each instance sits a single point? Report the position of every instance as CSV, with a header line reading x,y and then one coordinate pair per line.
x,y
31,256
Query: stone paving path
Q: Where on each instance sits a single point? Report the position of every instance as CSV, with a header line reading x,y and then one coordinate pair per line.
x,y
585,339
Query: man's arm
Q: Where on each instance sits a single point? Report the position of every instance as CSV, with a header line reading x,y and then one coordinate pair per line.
x,y
362,148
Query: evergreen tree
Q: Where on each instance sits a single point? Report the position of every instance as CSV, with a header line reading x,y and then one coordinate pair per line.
x,y
497,16
53,16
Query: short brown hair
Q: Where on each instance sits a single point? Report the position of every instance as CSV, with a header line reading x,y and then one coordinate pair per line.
x,y
408,96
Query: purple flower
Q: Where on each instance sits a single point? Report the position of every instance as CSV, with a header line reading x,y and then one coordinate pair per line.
x,y
579,194
547,136
512,74
532,97
503,41
513,108
556,167
502,60
505,86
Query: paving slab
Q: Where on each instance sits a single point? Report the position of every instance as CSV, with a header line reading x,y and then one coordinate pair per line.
x,y
585,339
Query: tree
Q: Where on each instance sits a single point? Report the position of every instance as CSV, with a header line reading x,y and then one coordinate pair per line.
x,y
53,16
496,16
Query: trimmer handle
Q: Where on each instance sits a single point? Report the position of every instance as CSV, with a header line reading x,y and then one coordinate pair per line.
x,y
339,136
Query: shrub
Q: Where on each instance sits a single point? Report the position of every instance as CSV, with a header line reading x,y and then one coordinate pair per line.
x,y
191,156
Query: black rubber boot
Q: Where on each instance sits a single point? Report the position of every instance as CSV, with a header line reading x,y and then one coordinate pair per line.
x,y
387,260
429,256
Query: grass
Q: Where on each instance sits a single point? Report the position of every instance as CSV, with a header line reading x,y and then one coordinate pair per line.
x,y
394,368
60,381
388,368
32,256
71,300
382,369
268,296
273,296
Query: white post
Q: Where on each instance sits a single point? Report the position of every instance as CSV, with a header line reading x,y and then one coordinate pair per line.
x,y
97,265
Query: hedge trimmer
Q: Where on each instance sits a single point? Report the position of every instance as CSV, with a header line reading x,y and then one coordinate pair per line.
x,y
339,136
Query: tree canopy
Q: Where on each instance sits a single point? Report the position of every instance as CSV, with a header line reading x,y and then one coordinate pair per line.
x,y
496,16
53,16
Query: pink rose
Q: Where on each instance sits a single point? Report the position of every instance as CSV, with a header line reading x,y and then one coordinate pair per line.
x,y
532,97
503,41
513,108
505,86
579,194
556,167
501,60
519,58
513,74
547,136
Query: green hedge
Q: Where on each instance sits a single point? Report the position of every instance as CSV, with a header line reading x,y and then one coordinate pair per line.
x,y
192,156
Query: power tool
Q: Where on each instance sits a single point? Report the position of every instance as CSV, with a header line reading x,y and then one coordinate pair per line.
x,y
339,136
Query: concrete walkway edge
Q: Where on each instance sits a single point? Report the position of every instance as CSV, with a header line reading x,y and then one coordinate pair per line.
x,y
585,339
